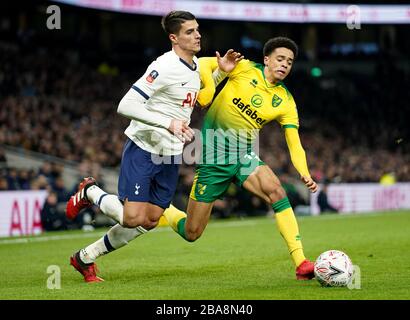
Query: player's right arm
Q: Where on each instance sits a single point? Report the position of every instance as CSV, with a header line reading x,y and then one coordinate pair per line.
x,y
207,65
133,104
213,70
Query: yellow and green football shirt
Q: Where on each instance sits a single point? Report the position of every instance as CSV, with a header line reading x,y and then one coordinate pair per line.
x,y
245,104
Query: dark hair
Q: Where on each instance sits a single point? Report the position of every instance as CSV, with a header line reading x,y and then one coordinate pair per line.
x,y
280,42
171,23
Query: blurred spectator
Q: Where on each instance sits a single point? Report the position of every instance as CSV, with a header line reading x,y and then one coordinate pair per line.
x,y
12,179
3,159
322,201
244,203
293,194
45,170
40,183
59,188
24,180
4,186
52,219
388,179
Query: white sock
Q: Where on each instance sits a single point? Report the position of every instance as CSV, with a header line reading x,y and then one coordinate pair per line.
x,y
116,237
119,236
108,203
94,194
93,251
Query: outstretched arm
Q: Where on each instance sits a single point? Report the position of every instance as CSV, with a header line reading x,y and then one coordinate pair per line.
x,y
298,157
213,71
225,64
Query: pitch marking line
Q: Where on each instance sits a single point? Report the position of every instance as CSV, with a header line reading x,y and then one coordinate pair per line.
x,y
100,234
232,224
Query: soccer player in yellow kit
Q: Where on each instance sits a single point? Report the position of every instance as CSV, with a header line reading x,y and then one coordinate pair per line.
x,y
253,96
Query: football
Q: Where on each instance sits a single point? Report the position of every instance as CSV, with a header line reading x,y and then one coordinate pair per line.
x,y
333,268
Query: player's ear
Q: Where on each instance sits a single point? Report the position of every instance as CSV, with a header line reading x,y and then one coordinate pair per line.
x,y
173,38
266,60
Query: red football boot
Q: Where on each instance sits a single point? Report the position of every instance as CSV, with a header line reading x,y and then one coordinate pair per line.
x,y
79,201
89,271
305,271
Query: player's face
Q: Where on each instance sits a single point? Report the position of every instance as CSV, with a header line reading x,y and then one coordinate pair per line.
x,y
188,37
279,63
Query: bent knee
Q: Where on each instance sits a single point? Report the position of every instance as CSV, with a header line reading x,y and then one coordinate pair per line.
x,y
133,219
190,237
193,234
276,193
131,222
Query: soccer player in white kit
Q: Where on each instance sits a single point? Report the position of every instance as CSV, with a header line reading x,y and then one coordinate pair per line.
x,y
159,106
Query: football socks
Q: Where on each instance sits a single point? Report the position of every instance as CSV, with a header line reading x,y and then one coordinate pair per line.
x,y
288,228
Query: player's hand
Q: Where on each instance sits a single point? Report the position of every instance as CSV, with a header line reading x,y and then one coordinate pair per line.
x,y
181,130
229,61
310,184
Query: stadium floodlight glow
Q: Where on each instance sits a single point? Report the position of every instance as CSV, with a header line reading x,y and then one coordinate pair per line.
x,y
256,11
316,72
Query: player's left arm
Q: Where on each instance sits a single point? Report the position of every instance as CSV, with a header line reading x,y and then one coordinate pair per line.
x,y
289,120
298,157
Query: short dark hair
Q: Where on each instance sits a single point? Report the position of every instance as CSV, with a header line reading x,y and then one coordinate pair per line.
x,y
280,42
171,23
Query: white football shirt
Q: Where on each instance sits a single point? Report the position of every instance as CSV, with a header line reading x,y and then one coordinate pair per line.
x,y
170,86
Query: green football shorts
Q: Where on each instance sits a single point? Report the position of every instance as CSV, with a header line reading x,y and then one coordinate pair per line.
x,y
211,181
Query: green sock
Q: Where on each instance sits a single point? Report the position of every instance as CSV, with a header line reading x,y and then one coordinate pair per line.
x,y
181,229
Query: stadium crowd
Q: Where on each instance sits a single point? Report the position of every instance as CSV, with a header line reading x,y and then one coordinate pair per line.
x,y
48,177
353,128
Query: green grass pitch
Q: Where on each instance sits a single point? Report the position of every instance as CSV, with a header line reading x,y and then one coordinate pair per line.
x,y
234,259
